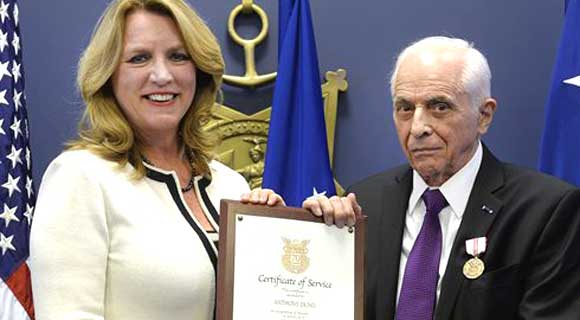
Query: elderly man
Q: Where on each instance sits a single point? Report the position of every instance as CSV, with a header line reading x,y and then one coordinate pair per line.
x,y
457,234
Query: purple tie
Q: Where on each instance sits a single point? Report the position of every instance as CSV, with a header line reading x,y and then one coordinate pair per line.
x,y
418,293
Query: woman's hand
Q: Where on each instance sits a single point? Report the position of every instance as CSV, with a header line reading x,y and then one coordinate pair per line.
x,y
263,197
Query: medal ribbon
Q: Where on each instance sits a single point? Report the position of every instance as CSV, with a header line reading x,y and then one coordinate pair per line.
x,y
476,246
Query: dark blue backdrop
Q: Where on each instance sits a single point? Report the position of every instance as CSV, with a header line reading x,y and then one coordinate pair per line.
x,y
519,38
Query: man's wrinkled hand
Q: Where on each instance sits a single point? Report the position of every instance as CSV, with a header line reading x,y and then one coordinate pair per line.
x,y
336,210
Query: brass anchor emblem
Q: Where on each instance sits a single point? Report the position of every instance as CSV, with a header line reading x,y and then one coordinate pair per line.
x,y
243,137
251,77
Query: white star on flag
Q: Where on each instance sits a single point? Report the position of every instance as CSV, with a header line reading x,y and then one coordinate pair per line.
x,y
28,213
575,81
16,43
16,14
14,156
16,71
27,156
4,70
16,128
28,186
17,102
6,243
4,11
315,195
9,215
3,98
2,132
11,185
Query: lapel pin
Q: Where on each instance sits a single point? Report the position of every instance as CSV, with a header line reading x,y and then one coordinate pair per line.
x,y
487,209
474,267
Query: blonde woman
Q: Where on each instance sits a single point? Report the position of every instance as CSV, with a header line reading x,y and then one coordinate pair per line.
x,y
126,220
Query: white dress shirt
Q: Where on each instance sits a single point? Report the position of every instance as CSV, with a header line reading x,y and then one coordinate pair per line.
x,y
456,191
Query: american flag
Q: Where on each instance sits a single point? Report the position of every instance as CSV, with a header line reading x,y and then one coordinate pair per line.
x,y
16,190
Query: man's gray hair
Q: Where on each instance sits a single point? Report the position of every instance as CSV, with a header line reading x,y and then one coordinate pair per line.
x,y
476,77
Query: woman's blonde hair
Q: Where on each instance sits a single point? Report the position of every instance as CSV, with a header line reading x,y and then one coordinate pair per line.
x,y
103,128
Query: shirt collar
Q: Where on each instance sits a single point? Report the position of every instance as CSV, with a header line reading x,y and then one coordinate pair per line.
x,y
456,189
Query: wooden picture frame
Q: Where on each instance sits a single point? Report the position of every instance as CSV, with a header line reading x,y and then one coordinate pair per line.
x,y
235,210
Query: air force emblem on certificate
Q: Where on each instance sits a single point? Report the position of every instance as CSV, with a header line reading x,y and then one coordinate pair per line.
x,y
295,258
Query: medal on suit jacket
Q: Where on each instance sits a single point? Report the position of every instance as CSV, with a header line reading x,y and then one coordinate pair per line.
x,y
474,267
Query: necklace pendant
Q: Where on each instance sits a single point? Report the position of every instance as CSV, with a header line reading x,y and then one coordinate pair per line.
x,y
189,185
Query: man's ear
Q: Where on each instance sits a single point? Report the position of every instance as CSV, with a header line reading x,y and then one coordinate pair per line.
x,y
486,112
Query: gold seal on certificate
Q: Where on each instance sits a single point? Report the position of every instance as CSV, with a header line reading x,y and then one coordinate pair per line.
x,y
281,263
473,268
295,258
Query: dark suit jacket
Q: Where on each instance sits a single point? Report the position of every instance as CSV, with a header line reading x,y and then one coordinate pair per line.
x,y
533,255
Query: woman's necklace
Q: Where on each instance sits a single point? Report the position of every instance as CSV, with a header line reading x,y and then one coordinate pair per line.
x,y
190,183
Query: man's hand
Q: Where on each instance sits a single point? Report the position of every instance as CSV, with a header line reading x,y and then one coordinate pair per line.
x,y
263,197
336,210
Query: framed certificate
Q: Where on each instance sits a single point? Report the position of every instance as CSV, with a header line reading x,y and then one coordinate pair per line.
x,y
280,263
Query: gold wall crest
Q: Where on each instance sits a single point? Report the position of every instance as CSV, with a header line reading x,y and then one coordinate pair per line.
x,y
243,137
295,258
243,141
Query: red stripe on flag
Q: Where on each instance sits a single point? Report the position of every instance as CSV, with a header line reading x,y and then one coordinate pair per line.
x,y
19,283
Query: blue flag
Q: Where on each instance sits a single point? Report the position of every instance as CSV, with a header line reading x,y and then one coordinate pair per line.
x,y
560,153
297,160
